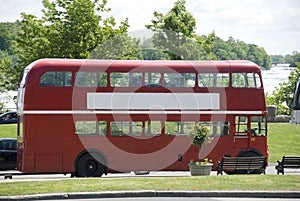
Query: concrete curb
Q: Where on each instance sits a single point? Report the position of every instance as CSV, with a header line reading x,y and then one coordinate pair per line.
x,y
123,194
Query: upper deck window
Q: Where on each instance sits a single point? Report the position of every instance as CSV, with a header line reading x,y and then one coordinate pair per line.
x,y
213,79
180,79
56,79
126,79
152,79
91,79
246,80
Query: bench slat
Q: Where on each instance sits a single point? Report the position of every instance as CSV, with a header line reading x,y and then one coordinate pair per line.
x,y
242,163
288,162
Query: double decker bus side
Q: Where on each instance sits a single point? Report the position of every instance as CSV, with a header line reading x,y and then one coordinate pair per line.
x,y
89,117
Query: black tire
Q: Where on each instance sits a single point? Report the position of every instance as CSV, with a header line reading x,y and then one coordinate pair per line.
x,y
90,166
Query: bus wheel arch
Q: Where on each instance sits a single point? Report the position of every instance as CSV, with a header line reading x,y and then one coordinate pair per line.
x,y
249,153
90,163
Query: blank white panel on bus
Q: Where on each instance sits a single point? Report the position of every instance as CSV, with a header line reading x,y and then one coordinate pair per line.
x,y
153,101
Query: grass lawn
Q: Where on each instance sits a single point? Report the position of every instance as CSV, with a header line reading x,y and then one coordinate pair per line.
x,y
8,130
226,182
283,139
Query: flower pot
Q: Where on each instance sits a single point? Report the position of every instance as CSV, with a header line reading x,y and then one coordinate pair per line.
x,y
200,169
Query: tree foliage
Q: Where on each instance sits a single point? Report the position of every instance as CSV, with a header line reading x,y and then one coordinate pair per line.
x,y
295,58
121,46
67,29
175,34
8,32
235,49
288,58
282,96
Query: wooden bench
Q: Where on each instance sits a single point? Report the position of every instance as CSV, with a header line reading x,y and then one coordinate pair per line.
x,y
288,162
242,165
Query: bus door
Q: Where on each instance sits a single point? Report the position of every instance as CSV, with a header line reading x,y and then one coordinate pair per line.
x,y
241,132
250,132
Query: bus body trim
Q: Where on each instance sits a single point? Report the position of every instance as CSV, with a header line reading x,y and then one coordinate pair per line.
x,y
78,112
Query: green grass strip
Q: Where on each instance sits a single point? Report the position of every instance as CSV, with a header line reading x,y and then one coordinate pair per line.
x,y
225,182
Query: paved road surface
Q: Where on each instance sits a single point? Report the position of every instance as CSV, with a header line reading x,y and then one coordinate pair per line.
x,y
186,199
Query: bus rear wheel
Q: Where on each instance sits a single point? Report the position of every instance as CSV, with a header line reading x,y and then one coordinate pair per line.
x,y
90,166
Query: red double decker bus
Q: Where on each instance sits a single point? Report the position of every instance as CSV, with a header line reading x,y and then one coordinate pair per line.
x,y
89,117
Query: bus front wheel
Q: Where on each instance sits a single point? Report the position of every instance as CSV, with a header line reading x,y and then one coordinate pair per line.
x,y
90,166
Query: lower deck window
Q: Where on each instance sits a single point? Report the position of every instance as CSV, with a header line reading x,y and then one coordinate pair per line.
x,y
255,125
216,128
153,128
176,128
150,128
258,126
126,128
90,128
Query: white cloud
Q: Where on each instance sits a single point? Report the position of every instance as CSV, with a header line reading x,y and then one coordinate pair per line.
x,y
272,24
11,10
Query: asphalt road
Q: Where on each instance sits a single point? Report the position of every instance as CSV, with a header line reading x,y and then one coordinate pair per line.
x,y
185,199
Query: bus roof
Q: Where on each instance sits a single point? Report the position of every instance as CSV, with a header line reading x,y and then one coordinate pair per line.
x,y
235,65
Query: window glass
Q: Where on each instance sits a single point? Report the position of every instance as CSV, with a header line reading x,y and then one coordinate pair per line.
x,y
152,128
152,79
91,79
213,79
126,79
90,128
258,126
9,145
257,80
216,128
251,80
241,125
238,80
248,80
126,128
180,79
175,128
56,79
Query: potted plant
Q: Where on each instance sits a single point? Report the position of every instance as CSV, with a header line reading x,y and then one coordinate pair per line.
x,y
199,138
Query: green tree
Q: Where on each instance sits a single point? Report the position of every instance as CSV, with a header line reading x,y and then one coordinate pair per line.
x,y
175,34
283,95
236,49
8,32
277,59
295,59
121,46
67,29
5,75
149,52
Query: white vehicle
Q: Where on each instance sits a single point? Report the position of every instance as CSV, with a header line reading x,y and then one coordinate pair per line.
x,y
295,113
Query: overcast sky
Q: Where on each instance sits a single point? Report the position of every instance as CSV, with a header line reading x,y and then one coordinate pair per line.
x,y
271,24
